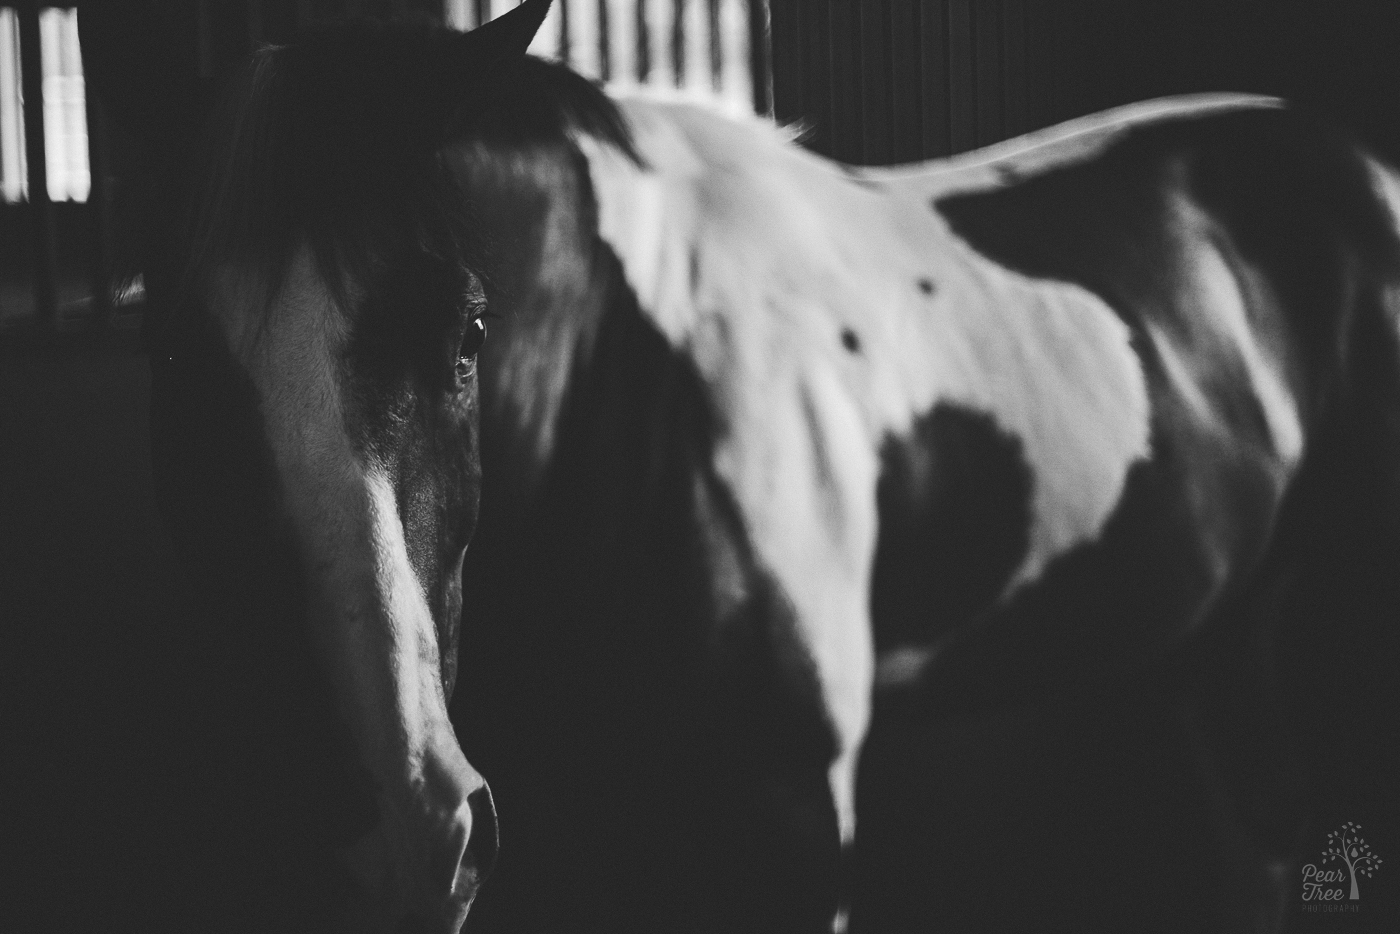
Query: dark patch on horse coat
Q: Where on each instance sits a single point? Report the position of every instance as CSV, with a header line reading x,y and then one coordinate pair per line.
x,y
1295,204
1299,206
926,286
850,340
694,270
954,518
1008,175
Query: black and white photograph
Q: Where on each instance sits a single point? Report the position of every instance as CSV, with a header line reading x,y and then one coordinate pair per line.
x,y
700,466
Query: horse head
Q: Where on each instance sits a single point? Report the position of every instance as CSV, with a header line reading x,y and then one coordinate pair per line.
x,y
314,322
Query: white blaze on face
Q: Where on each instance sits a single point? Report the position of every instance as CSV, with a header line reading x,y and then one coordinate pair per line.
x,y
371,623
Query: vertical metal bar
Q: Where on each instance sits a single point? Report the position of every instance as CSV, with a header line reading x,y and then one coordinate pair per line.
x,y
816,77
787,66
566,38
45,240
605,57
676,41
100,204
643,48
760,37
716,44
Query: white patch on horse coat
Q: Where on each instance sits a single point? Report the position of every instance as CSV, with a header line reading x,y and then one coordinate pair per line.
x,y
791,253
1386,181
1217,279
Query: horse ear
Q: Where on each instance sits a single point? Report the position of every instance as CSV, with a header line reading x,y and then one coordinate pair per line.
x,y
501,42
478,68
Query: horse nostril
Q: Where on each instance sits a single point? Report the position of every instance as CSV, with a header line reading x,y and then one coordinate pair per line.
x,y
485,838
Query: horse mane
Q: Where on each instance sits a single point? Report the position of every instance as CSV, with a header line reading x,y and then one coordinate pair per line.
x,y
659,186
335,140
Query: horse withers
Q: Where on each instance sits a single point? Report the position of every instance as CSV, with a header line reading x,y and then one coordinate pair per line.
x,y
315,320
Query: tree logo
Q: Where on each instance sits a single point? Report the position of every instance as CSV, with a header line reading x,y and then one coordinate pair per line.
x,y
1344,846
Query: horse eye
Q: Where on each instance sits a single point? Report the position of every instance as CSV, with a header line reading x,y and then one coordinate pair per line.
x,y
472,339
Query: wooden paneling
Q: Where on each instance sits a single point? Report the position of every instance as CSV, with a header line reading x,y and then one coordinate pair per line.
x,y
897,80
962,84
816,80
934,112
1013,67
847,118
789,70
1039,58
986,59
876,98
905,81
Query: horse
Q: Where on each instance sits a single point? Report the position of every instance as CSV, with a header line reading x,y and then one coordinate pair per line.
x,y
771,451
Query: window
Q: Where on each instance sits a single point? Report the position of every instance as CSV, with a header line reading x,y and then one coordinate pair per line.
x,y
64,107
65,116
14,181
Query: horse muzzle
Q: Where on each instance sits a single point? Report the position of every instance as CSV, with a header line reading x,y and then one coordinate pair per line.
x,y
421,866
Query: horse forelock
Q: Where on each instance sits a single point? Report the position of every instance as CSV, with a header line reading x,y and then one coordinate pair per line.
x,y
296,154
289,162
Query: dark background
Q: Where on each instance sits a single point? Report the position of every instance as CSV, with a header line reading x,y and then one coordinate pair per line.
x,y
1047,819
887,81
